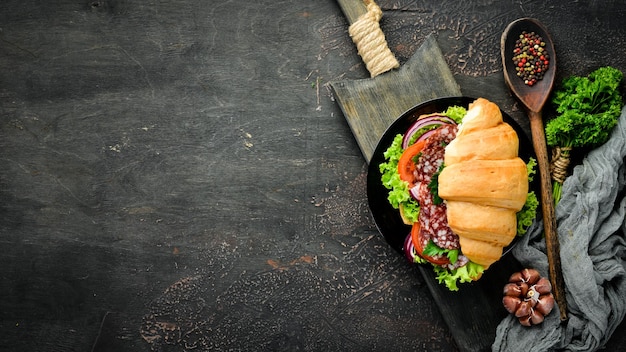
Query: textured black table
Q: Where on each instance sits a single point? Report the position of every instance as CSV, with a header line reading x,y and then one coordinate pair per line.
x,y
176,175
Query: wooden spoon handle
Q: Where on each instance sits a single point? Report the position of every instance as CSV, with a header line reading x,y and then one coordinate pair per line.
x,y
547,206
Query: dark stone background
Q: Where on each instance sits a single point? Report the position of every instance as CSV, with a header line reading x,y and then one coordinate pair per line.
x,y
177,175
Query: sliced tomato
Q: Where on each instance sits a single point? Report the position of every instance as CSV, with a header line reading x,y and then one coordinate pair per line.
x,y
416,236
406,164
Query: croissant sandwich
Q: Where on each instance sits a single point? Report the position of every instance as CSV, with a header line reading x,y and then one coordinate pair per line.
x,y
465,189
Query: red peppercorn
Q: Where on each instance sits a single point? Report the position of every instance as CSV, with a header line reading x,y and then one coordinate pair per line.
x,y
531,57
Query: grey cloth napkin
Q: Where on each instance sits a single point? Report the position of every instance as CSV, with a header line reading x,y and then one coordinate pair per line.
x,y
592,236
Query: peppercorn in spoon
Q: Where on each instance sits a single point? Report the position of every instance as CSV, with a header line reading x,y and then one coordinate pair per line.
x,y
529,64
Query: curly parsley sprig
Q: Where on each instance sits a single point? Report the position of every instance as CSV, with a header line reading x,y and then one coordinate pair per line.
x,y
588,109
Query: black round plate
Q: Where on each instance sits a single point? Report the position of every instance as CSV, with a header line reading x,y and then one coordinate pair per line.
x,y
387,218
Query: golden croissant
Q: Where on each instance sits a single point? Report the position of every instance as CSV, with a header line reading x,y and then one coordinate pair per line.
x,y
484,183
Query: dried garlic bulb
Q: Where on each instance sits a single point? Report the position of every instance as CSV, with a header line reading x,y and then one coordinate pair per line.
x,y
528,296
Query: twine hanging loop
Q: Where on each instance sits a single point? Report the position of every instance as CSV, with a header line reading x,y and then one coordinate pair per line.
x,y
560,163
370,41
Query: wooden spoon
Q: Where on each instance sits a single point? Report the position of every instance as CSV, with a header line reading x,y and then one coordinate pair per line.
x,y
534,98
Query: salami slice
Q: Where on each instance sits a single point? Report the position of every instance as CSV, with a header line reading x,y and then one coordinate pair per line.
x,y
441,233
434,221
432,218
433,153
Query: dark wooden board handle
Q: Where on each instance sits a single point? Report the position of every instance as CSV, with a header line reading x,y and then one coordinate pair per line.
x,y
352,9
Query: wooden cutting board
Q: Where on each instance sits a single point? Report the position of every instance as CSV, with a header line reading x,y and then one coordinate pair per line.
x,y
370,106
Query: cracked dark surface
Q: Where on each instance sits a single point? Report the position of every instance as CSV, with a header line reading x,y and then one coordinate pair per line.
x,y
330,308
179,177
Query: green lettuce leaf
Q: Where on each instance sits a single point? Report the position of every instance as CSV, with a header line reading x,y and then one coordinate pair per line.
x,y
456,113
399,196
527,214
467,273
